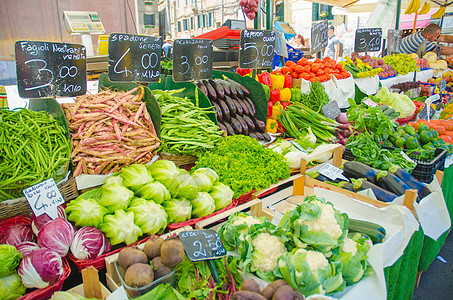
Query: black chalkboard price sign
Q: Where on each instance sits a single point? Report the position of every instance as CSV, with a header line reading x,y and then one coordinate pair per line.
x,y
46,69
368,39
319,37
202,244
192,59
134,57
257,49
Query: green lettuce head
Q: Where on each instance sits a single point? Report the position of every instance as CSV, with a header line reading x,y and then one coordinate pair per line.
x,y
11,287
309,272
154,191
120,227
202,175
149,216
164,171
114,196
203,205
115,178
183,186
178,210
135,176
9,259
222,195
85,210
316,223
353,256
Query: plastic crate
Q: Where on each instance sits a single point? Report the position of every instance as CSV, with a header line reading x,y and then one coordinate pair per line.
x,y
293,55
424,171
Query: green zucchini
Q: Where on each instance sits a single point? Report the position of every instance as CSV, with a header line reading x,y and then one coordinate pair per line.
x,y
374,231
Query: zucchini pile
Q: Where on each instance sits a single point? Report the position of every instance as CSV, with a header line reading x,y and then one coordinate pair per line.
x,y
235,111
385,185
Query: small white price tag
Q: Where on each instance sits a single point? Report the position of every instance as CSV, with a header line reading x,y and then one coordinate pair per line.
x,y
370,102
44,197
331,172
407,157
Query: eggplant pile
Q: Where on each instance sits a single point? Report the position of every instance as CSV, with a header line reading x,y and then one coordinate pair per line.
x,y
234,109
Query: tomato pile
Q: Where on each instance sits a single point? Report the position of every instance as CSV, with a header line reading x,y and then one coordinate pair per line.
x,y
317,70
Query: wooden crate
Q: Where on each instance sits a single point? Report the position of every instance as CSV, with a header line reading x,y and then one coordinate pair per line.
x,y
79,290
113,281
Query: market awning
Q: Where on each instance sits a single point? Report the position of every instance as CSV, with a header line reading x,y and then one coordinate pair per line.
x,y
342,3
407,21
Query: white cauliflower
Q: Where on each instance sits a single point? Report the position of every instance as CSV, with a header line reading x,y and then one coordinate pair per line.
x,y
326,223
267,249
315,259
350,246
249,220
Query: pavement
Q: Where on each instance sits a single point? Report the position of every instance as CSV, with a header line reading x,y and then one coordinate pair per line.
x,y
437,281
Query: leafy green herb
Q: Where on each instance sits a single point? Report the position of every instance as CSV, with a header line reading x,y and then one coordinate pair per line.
x,y
243,164
167,64
194,280
316,98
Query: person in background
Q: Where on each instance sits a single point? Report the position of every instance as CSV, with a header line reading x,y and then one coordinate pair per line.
x,y
333,44
422,41
297,42
168,44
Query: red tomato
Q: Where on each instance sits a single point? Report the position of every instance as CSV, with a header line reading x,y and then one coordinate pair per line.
x,y
304,76
320,73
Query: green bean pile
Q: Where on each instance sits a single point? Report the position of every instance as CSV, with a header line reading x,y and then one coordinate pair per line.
x,y
33,147
186,128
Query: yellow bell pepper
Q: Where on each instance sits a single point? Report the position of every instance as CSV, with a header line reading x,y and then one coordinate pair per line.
x,y
271,126
276,111
285,94
278,81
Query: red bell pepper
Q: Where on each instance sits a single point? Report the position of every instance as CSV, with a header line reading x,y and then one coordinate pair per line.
x,y
265,78
280,127
275,96
269,109
285,104
243,72
288,81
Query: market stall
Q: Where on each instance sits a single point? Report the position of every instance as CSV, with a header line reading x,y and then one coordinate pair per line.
x,y
317,178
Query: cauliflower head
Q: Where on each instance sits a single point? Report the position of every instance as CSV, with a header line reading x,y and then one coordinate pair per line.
x,y
267,249
315,260
326,222
350,246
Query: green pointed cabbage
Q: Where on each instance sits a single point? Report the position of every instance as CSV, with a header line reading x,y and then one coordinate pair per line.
x,y
164,171
203,205
149,216
114,196
204,183
85,210
178,210
183,186
222,195
9,259
135,176
11,287
120,227
154,191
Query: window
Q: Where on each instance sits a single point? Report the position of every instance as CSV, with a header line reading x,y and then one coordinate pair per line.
x,y
210,19
149,20
186,2
192,23
177,3
184,25
204,20
179,26
199,21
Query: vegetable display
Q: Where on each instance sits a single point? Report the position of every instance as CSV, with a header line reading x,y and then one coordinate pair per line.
x,y
155,195
235,111
41,268
316,98
89,243
309,249
401,103
401,63
110,130
186,128
195,281
243,164
361,69
33,148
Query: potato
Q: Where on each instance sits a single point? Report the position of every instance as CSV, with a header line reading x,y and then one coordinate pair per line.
x,y
286,292
160,270
246,295
152,246
250,285
139,275
269,290
172,252
131,255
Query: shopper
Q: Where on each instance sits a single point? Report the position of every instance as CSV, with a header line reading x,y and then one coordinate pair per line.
x,y
297,42
422,41
167,47
333,45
